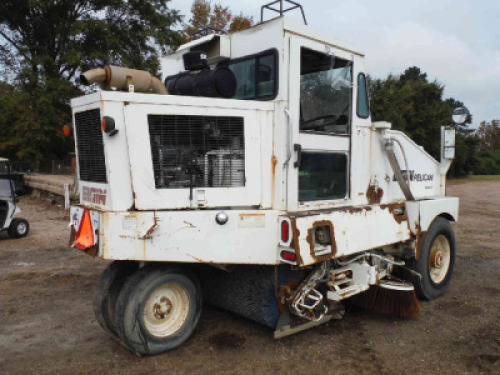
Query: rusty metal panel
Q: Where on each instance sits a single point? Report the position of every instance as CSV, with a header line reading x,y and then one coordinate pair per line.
x,y
248,237
352,230
422,213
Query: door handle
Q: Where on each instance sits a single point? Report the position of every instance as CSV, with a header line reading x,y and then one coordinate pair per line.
x,y
297,148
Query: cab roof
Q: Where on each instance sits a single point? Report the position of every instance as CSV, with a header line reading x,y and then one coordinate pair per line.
x,y
287,24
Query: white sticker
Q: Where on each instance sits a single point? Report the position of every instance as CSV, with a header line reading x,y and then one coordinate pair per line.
x,y
252,221
129,223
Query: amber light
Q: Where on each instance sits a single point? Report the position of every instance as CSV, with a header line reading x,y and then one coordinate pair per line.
x,y
104,125
285,231
108,125
66,130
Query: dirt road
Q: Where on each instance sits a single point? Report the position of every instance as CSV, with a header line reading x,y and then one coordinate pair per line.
x,y
47,325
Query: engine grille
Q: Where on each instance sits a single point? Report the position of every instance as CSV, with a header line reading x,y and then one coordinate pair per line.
x,y
197,151
91,161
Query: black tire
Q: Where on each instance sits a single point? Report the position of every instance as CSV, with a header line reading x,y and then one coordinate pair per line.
x,y
425,287
130,317
108,288
19,228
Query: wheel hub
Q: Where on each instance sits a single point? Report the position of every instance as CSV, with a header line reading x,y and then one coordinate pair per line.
x,y
437,257
162,308
166,310
21,228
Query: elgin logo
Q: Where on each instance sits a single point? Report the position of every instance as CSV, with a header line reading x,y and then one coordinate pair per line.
x,y
94,195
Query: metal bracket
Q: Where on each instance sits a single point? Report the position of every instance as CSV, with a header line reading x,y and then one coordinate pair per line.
x,y
297,148
282,10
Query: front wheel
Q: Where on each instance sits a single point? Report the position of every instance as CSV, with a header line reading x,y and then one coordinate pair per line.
x,y
19,228
158,309
436,261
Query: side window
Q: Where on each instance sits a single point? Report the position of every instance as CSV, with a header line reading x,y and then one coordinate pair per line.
x,y
322,176
256,76
363,102
244,72
325,93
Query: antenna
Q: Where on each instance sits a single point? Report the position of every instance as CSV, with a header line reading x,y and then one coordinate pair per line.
x,y
281,10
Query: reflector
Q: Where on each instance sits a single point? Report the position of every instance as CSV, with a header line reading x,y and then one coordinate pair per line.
x,y
66,130
85,237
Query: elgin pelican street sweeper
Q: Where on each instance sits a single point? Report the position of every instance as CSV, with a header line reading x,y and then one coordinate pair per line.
x,y
252,178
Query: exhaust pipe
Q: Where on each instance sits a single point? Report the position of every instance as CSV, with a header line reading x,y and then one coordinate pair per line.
x,y
122,78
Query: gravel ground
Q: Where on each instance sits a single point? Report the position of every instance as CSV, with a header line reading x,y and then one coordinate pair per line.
x,y
47,325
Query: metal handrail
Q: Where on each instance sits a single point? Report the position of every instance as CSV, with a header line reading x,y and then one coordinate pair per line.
x,y
281,10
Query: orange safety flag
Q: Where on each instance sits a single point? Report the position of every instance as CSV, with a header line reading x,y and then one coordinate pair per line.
x,y
84,238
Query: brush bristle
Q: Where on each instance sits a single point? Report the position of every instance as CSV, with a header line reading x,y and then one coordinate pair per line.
x,y
402,303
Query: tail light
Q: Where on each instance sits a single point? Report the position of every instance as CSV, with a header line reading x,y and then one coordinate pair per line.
x,y
288,255
285,231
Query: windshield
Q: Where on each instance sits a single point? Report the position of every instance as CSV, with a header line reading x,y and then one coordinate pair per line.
x,y
4,167
325,93
5,189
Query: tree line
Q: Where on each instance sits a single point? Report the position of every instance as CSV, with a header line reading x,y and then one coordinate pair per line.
x,y
45,44
416,106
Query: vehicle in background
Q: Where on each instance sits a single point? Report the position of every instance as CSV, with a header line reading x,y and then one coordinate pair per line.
x,y
6,173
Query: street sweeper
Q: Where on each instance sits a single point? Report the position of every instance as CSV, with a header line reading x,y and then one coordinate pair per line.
x,y
252,177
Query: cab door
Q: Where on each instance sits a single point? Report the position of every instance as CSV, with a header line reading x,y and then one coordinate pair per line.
x,y
320,105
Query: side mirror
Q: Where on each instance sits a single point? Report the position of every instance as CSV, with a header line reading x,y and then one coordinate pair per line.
x,y
460,115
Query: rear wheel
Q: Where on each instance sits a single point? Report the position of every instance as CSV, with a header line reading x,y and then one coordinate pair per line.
x,y
158,309
436,261
19,228
108,289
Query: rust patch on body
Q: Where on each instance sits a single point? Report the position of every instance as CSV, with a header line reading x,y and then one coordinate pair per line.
x,y
419,240
310,241
374,194
398,217
286,291
274,162
150,231
295,241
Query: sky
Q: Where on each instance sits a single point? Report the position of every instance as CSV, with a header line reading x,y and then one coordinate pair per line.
x,y
456,42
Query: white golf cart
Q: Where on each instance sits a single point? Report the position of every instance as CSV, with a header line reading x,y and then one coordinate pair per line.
x,y
16,227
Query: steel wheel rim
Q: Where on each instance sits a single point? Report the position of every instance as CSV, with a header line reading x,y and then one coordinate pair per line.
x,y
439,259
166,310
22,228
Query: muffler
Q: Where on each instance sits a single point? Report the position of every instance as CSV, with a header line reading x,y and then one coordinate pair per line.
x,y
122,78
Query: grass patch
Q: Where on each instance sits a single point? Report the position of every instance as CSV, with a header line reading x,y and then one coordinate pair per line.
x,y
480,177
484,177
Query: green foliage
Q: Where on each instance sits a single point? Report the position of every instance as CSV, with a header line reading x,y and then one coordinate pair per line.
x,y
45,43
489,162
416,106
